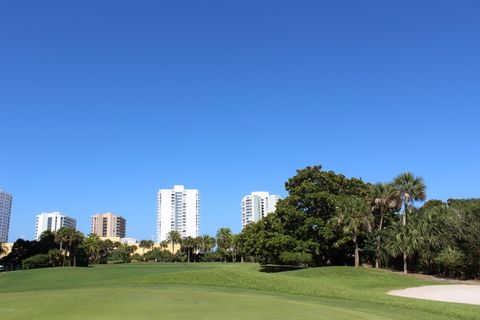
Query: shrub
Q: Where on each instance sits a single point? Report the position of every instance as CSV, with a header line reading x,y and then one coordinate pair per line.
x,y
118,255
55,257
37,261
451,260
159,255
212,257
296,258
180,257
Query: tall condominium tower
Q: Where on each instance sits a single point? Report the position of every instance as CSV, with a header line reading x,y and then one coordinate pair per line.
x,y
52,221
257,205
5,211
178,209
108,225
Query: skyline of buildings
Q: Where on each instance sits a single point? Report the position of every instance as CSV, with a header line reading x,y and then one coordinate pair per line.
x,y
109,225
52,221
178,209
5,213
257,205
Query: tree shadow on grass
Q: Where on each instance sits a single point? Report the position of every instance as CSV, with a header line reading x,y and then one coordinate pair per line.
x,y
273,268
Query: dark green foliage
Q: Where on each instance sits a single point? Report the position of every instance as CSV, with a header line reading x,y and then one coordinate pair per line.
x,y
438,238
451,261
118,255
296,258
212,257
37,261
55,257
303,220
158,255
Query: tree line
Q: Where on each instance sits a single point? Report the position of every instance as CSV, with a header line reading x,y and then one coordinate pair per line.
x,y
326,219
329,219
69,247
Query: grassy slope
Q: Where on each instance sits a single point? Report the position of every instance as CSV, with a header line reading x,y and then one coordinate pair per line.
x,y
211,291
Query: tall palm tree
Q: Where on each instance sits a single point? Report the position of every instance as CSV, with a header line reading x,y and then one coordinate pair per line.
x,y
75,240
61,237
188,244
224,239
402,239
235,246
409,188
174,237
355,217
384,199
92,245
206,243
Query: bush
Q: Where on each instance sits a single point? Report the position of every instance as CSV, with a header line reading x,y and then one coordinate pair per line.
x,y
296,258
159,255
180,256
451,260
136,257
118,255
55,257
37,261
212,257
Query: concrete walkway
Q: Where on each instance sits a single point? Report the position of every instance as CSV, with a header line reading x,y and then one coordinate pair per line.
x,y
462,293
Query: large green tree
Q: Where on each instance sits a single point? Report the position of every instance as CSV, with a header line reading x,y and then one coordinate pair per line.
x,y
301,221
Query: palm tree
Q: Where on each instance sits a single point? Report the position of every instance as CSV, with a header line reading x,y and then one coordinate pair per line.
x,y
174,237
402,240
188,244
409,188
164,244
206,242
92,245
61,237
235,246
150,244
75,240
224,239
143,244
384,200
355,218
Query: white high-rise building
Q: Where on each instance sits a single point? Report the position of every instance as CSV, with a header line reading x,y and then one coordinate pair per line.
x,y
178,209
5,211
257,205
52,221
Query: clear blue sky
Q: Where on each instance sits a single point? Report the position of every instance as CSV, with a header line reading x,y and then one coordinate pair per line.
x,y
104,102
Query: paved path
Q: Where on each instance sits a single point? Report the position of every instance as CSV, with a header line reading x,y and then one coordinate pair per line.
x,y
462,293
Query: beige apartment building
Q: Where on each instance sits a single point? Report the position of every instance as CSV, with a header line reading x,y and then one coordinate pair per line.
x,y
108,225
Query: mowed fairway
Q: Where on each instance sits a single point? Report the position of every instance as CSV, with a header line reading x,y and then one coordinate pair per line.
x,y
215,291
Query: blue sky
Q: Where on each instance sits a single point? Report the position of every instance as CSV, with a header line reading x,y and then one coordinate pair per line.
x,y
104,102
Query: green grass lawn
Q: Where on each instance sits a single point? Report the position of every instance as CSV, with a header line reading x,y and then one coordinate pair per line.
x,y
215,291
